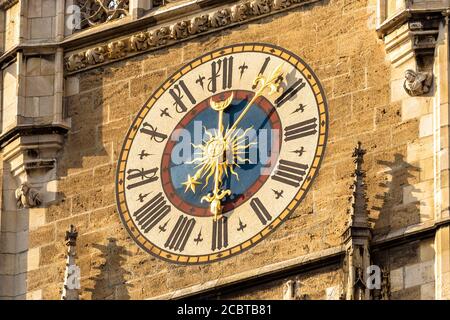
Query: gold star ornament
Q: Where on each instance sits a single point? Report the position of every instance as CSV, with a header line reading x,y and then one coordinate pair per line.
x,y
191,183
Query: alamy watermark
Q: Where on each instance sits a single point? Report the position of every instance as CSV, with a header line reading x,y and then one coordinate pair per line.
x,y
73,278
238,147
73,21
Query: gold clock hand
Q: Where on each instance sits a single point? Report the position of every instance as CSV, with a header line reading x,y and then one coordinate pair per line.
x,y
192,182
217,154
266,83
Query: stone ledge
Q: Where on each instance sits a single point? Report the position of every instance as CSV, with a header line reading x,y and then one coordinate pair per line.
x,y
268,272
262,274
393,22
419,231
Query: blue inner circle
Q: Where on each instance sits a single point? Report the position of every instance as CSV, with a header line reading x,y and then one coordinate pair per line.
x,y
194,134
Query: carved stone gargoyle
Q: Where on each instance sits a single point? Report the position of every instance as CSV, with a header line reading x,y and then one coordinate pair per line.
x,y
27,197
417,83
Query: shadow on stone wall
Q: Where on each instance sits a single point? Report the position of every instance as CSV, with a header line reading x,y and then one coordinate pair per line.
x,y
400,206
110,282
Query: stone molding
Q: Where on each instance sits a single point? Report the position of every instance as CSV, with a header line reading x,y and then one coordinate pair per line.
x,y
321,258
392,239
183,29
412,33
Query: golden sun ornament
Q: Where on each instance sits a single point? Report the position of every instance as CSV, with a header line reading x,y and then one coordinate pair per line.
x,y
222,152
218,154
217,157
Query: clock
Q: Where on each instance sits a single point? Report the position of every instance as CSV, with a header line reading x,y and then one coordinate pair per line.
x,y
222,153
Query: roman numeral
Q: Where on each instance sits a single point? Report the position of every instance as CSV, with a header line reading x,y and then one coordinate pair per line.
x,y
151,213
300,130
180,234
153,133
290,173
290,92
177,95
261,211
263,69
143,176
220,234
224,68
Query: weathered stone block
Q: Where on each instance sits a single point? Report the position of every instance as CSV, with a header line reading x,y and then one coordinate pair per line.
x,y
418,274
42,235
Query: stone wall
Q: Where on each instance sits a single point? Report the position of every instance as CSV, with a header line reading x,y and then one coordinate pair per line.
x,y
338,40
320,284
12,27
411,270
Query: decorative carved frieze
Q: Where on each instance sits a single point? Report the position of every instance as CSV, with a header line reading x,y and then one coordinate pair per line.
x,y
179,30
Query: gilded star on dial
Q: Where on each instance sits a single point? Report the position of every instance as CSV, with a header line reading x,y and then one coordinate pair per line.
x,y
191,183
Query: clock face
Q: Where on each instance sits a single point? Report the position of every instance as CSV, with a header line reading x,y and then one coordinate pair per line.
x,y
222,153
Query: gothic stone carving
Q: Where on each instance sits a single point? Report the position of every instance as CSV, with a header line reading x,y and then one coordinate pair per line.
x,y
75,62
261,6
239,12
95,55
116,49
179,30
417,83
27,197
96,12
72,274
279,4
138,42
199,24
220,18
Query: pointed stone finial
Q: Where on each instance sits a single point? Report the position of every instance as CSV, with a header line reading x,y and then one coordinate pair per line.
x,y
357,235
71,236
72,274
358,199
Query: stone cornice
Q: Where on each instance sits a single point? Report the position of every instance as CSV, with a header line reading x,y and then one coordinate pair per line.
x,y
18,131
183,28
396,21
270,272
408,234
6,4
320,259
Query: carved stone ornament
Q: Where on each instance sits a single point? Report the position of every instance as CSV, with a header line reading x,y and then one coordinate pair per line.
x,y
179,30
71,236
27,197
417,83
96,12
